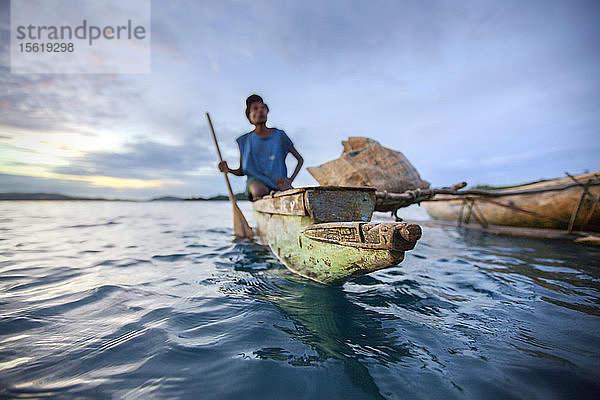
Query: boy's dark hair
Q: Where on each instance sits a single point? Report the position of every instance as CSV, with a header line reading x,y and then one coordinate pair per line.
x,y
253,98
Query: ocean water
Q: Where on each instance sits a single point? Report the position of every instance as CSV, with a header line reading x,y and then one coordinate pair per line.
x,y
157,300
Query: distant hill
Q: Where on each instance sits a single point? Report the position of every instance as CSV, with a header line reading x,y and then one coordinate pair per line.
x,y
167,198
238,196
57,196
44,196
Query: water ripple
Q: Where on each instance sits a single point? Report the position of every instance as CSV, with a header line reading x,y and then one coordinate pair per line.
x,y
147,300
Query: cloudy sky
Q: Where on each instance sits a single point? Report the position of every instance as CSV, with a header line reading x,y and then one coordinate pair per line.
x,y
495,92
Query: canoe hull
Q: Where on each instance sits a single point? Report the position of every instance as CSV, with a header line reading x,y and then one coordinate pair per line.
x,y
318,260
324,234
549,210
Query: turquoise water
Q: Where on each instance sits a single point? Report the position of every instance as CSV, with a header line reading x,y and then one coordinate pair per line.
x,y
156,300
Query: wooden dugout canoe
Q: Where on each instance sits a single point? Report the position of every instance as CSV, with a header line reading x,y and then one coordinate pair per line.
x,y
555,204
324,233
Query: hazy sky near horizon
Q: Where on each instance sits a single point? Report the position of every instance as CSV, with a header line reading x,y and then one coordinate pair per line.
x,y
495,92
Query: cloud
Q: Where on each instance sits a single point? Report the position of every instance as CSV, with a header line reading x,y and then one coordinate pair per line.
x,y
509,168
142,160
4,35
441,81
66,102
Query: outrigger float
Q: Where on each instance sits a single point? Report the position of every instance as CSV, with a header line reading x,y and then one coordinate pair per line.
x,y
325,233
563,209
564,204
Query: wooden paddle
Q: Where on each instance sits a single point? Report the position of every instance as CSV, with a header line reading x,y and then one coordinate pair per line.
x,y
241,228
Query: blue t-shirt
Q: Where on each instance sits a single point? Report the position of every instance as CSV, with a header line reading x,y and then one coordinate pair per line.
x,y
263,158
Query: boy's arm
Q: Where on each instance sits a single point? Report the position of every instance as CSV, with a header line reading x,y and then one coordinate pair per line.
x,y
237,172
284,183
223,167
295,153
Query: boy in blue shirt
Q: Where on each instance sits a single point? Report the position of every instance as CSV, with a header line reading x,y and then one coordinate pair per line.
x,y
262,153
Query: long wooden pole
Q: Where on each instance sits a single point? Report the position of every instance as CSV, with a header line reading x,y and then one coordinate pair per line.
x,y
241,228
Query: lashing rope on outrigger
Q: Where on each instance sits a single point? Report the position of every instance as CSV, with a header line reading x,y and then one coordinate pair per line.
x,y
393,201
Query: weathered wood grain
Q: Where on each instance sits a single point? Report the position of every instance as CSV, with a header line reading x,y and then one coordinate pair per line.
x,y
288,204
352,204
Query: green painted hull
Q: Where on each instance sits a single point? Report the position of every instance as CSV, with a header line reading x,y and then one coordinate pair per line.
x,y
331,247
320,261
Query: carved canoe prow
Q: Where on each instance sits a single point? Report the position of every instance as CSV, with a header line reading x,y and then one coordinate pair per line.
x,y
385,236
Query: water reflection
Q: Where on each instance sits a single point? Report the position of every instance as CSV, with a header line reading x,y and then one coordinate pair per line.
x,y
328,321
